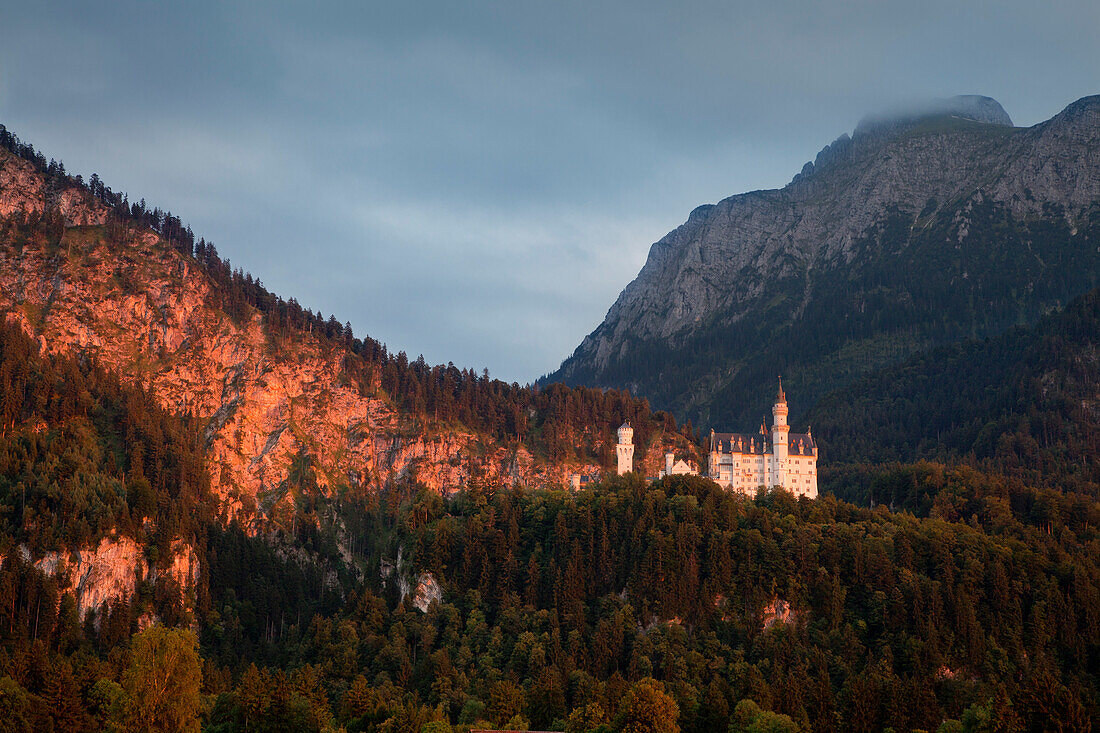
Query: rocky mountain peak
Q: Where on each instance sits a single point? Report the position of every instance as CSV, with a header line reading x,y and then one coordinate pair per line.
x,y
880,127
925,225
973,107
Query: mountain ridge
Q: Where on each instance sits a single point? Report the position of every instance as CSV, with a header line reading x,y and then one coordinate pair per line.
x,y
937,195
81,274
383,605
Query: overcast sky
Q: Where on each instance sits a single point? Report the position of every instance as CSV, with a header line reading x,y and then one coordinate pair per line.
x,y
476,182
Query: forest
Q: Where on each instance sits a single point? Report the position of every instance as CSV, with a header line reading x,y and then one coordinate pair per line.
x,y
1023,403
576,611
974,597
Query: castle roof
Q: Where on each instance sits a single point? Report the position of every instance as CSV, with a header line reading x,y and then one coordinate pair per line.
x,y
801,444
780,397
798,444
739,443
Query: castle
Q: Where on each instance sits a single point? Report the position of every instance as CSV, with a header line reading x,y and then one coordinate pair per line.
x,y
745,462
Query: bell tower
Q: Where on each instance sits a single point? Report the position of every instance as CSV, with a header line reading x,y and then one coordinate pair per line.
x,y
624,451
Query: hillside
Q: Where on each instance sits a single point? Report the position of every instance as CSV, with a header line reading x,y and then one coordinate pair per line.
x,y
280,392
911,233
1025,403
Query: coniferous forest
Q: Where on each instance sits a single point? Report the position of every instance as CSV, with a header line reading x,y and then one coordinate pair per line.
x,y
948,579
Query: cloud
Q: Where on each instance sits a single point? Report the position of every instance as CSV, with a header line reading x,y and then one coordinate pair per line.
x,y
478,181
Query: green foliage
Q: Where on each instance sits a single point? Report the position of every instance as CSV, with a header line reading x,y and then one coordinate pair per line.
x,y
162,681
749,718
107,703
586,718
83,456
437,726
15,707
648,709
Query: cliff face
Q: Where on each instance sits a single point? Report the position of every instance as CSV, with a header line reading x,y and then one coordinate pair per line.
x,y
143,309
23,190
863,258
110,571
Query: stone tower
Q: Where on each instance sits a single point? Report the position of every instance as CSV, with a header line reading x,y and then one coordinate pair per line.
x,y
780,429
624,451
713,458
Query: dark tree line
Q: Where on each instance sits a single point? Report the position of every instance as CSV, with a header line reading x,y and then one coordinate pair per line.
x,y
977,608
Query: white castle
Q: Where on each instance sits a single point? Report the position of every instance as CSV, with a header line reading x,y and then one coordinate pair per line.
x,y
746,462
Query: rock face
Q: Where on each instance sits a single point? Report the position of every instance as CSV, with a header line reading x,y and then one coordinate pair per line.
x,y
142,308
111,571
22,189
917,229
427,592
778,611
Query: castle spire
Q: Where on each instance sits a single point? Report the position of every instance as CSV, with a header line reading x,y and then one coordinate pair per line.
x,y
780,397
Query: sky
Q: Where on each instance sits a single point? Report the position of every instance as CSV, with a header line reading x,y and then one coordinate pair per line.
x,y
476,182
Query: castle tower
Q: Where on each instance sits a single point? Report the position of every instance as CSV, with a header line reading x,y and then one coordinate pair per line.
x,y
780,429
713,458
624,451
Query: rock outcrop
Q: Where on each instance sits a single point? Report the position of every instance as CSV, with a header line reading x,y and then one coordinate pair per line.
x,y
24,190
427,592
917,229
777,611
111,570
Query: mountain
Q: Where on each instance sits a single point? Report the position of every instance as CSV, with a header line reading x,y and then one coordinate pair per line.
x,y
285,397
919,229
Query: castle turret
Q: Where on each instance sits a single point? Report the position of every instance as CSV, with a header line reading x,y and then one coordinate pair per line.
x,y
670,458
624,451
780,430
713,458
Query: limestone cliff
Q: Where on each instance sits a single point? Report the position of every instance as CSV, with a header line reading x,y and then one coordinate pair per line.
x,y
916,230
110,571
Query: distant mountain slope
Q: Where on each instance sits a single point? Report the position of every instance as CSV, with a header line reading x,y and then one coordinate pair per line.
x,y
289,403
914,232
1025,403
